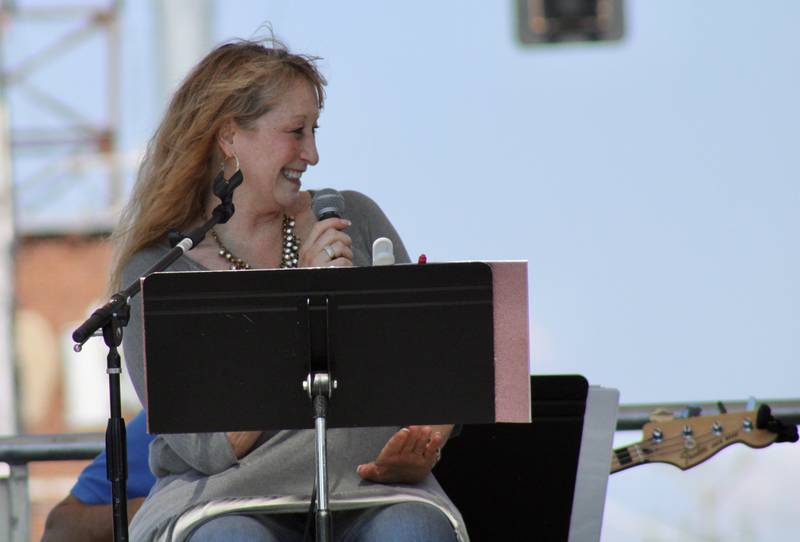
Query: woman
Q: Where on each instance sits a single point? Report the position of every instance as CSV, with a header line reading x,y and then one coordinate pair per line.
x,y
255,108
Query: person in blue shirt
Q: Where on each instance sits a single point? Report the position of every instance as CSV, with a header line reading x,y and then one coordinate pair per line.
x,y
85,514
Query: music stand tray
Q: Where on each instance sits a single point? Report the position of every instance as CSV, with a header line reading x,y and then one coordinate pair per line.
x,y
414,342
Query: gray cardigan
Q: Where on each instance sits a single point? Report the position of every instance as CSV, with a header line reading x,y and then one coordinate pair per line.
x,y
192,469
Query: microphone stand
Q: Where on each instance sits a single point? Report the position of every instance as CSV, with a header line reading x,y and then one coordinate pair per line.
x,y
111,318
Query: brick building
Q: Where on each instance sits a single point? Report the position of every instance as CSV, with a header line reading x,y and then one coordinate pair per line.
x,y
59,279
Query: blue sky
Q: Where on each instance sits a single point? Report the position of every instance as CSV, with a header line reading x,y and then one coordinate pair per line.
x,y
650,183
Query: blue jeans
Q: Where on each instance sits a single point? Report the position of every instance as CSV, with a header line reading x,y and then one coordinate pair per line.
x,y
403,522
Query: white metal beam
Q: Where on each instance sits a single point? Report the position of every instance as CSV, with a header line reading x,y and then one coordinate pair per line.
x,y
8,410
183,38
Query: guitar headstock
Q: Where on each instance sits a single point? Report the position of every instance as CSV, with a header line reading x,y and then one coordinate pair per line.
x,y
686,442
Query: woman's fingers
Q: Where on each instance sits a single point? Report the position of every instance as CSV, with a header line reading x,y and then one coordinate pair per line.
x,y
370,471
424,435
338,249
407,457
416,442
327,227
327,256
411,440
327,245
330,237
434,445
396,443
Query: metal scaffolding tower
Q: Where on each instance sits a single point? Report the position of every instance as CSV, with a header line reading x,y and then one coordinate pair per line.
x,y
58,122
60,78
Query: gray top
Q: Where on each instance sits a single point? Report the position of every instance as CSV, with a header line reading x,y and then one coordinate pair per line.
x,y
192,469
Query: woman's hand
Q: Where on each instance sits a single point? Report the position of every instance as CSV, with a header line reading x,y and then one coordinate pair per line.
x,y
242,442
408,456
327,245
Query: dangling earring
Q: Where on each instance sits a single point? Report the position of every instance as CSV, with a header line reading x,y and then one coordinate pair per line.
x,y
225,161
222,185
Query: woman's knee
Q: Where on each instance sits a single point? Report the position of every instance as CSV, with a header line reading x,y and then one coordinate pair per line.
x,y
232,528
402,522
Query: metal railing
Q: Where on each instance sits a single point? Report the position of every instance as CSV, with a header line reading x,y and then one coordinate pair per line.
x,y
21,449
17,451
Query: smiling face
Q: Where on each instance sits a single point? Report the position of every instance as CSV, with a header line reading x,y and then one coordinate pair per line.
x,y
277,148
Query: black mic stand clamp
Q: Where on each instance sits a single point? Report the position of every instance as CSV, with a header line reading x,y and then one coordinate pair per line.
x,y
320,388
220,215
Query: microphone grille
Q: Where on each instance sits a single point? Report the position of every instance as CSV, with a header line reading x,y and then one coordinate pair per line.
x,y
327,203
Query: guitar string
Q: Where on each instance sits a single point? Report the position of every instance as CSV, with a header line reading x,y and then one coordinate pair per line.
x,y
668,445
638,452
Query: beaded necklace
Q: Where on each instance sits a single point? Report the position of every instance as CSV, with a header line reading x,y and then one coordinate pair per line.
x,y
289,247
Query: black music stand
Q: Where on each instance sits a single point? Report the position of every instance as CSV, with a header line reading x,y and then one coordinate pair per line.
x,y
542,457
508,479
223,348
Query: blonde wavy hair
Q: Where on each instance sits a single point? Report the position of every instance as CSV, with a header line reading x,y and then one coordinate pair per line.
x,y
237,81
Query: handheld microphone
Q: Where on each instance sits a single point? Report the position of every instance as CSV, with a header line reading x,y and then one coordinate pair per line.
x,y
328,203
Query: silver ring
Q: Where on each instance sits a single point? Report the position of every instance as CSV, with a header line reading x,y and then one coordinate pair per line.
x,y
329,251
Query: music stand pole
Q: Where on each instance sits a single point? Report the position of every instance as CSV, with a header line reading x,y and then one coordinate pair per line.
x,y
320,388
